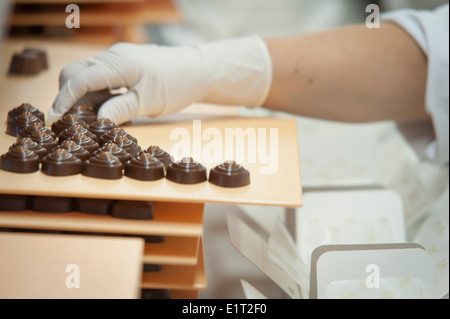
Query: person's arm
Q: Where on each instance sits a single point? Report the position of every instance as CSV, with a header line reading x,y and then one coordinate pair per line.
x,y
351,74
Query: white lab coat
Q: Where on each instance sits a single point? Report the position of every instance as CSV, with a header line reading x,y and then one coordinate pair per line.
x,y
430,29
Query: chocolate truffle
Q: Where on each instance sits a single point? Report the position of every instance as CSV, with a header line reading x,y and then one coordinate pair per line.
x,y
160,154
144,167
155,293
26,63
33,127
26,107
28,143
75,149
41,55
65,122
113,133
83,112
95,206
127,145
13,202
75,129
19,122
155,239
103,165
113,148
61,163
130,209
95,99
229,174
152,267
101,126
186,171
51,204
20,160
85,141
44,139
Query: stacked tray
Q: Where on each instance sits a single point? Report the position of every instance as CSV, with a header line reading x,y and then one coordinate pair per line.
x,y
173,264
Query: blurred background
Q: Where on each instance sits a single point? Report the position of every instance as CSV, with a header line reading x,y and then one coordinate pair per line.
x,y
183,21
370,154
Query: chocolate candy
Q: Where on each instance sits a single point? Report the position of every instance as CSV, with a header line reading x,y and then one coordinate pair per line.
x,y
75,149
186,171
113,133
13,202
95,99
101,126
26,107
127,145
103,165
152,268
28,143
160,154
229,174
83,112
44,139
144,167
96,206
113,148
130,209
61,163
85,141
155,239
41,55
51,204
19,122
26,63
33,127
20,159
65,122
155,293
75,129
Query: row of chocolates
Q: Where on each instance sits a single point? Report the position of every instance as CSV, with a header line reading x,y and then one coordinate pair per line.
x,y
100,149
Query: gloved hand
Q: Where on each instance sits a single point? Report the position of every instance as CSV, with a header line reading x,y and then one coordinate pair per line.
x,y
163,80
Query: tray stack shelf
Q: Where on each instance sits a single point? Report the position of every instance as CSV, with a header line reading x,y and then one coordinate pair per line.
x,y
101,21
178,250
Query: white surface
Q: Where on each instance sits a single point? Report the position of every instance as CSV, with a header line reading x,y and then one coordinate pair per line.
x,y
411,264
348,217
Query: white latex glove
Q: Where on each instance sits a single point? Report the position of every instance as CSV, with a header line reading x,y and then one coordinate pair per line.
x,y
163,80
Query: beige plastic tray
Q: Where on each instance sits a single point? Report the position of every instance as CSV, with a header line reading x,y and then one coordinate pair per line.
x,y
170,219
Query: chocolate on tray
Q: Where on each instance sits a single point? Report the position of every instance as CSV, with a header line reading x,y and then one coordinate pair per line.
x,y
229,174
75,149
61,163
85,141
101,126
26,107
20,159
96,206
103,165
144,167
186,171
83,112
19,122
127,145
51,204
113,148
160,154
33,127
13,202
76,129
44,139
66,121
28,143
113,133
130,209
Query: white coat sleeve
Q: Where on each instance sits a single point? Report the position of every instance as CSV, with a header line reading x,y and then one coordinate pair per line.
x,y
430,29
